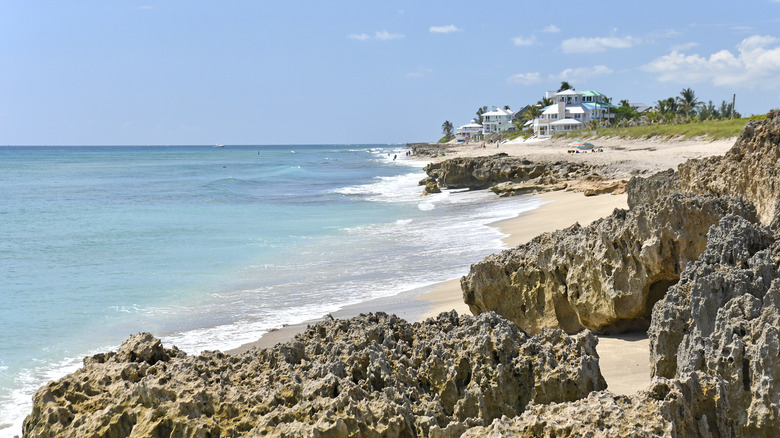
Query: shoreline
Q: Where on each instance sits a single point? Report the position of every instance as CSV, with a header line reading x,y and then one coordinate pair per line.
x,y
624,358
559,210
423,303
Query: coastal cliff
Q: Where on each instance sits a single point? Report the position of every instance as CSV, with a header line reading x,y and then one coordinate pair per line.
x,y
605,277
372,375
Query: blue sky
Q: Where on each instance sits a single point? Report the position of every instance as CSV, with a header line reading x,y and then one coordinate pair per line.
x,y
310,72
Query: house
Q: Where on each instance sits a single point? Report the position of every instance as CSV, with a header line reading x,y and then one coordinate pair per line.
x,y
468,132
571,111
497,120
639,107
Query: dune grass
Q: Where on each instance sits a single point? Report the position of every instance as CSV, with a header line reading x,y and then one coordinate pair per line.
x,y
710,130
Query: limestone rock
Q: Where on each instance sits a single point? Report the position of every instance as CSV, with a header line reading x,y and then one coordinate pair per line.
x,y
604,277
723,319
373,375
511,189
485,172
688,407
431,187
749,169
429,149
651,189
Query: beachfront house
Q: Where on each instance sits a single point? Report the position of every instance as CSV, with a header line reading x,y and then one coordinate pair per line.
x,y
496,121
468,132
571,111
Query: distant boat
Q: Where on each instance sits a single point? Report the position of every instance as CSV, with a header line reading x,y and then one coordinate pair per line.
x,y
219,145
582,146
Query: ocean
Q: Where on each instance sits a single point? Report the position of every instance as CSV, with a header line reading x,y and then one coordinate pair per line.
x,y
210,248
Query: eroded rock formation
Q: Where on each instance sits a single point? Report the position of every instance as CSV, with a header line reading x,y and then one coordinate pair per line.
x,y
687,407
373,375
723,319
604,277
507,176
749,169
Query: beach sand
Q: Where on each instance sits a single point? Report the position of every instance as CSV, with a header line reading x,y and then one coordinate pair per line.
x,y
624,359
620,159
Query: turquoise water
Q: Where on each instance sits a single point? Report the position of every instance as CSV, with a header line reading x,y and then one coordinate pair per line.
x,y
209,248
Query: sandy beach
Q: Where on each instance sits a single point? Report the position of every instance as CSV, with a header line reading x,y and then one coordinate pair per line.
x,y
624,359
621,158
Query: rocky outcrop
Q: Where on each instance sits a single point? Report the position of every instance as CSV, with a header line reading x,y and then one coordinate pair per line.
x,y
507,175
649,190
749,169
604,277
428,149
723,319
373,375
689,407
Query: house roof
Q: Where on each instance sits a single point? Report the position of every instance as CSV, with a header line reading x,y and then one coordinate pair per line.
x,y
599,104
568,93
498,112
592,93
470,125
566,122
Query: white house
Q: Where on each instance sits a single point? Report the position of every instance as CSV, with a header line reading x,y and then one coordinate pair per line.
x,y
471,131
571,111
497,120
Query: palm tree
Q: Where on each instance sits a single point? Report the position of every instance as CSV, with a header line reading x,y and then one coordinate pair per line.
x,y
688,101
480,111
446,129
624,103
667,106
565,86
532,112
544,102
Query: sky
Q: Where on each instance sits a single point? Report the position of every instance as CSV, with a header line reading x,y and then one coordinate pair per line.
x,y
347,72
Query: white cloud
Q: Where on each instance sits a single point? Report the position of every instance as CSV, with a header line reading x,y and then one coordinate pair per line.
x,y
444,29
525,78
593,45
522,41
381,36
756,63
684,47
555,29
582,74
387,36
